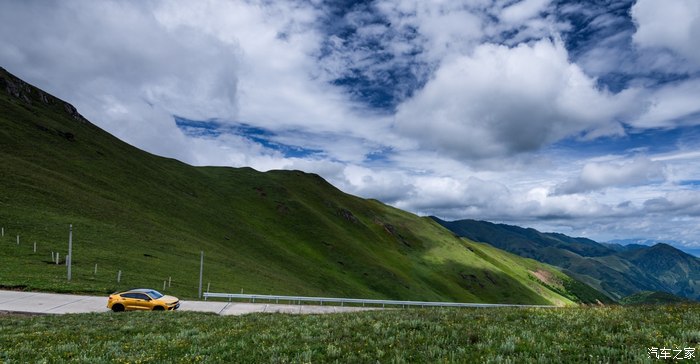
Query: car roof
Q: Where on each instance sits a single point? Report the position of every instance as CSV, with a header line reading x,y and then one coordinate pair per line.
x,y
140,290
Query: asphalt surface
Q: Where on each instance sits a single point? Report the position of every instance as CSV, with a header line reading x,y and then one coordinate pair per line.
x,y
55,303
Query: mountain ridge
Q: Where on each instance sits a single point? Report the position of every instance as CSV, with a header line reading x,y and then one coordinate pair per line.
x,y
613,269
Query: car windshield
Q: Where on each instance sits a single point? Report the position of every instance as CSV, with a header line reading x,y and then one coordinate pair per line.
x,y
155,294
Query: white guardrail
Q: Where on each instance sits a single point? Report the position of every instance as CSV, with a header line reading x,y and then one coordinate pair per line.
x,y
343,301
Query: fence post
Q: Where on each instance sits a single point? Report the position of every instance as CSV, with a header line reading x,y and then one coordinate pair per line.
x,y
69,258
119,276
35,246
95,269
17,239
57,258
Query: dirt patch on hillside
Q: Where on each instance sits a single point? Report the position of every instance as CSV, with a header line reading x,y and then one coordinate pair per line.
x,y
547,278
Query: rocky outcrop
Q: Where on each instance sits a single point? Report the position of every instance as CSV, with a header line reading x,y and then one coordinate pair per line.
x,y
29,94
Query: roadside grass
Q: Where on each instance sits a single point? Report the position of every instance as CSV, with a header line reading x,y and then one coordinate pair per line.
x,y
582,334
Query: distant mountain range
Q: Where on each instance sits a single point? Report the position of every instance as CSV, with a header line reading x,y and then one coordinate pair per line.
x,y
615,269
633,243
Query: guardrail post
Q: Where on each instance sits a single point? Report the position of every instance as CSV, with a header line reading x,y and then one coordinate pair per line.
x,y
201,270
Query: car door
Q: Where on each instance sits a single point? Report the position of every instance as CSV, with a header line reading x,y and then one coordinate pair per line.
x,y
129,300
142,301
136,301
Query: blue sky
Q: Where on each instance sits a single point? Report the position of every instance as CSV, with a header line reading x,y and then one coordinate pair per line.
x,y
576,117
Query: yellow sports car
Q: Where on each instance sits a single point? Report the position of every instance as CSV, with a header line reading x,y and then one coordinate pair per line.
x,y
142,299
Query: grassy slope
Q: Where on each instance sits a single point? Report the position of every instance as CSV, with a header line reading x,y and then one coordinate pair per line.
x,y
282,232
568,335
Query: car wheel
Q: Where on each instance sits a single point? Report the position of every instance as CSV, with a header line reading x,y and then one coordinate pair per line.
x,y
118,308
158,308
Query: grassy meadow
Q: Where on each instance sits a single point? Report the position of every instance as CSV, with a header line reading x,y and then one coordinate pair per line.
x,y
503,335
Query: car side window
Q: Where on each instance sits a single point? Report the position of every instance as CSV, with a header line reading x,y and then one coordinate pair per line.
x,y
138,296
142,296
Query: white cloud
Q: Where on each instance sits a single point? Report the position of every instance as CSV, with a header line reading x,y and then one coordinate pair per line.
x,y
596,176
666,35
686,202
385,185
443,27
432,193
501,101
523,10
672,105
672,24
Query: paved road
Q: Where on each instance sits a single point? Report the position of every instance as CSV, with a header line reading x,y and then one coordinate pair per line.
x,y
54,303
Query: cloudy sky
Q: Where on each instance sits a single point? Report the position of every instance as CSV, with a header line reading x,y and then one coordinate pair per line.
x,y
576,117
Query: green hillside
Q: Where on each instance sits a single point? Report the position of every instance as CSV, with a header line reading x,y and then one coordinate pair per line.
x,y
617,271
281,232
